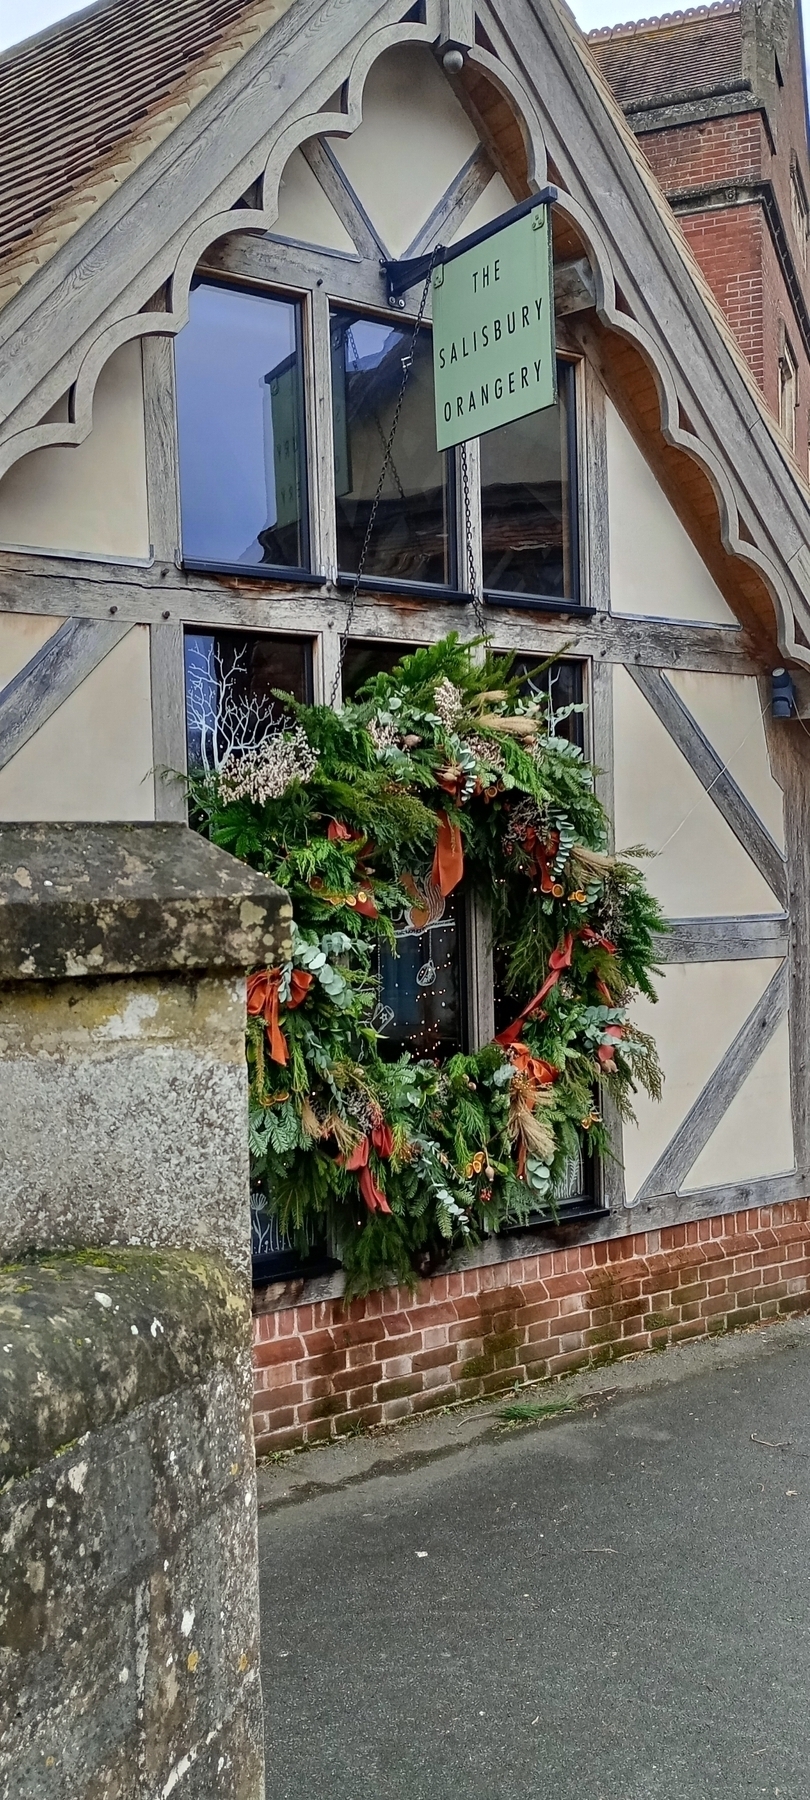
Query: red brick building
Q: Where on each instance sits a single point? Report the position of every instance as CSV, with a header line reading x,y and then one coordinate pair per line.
x,y
717,95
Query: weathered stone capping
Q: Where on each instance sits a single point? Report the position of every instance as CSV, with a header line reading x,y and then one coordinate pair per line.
x,y
79,900
324,1369
123,1088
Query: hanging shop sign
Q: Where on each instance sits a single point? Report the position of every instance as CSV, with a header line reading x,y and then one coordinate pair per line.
x,y
493,328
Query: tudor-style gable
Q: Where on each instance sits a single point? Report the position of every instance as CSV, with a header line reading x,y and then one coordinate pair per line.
x,y
153,228
669,535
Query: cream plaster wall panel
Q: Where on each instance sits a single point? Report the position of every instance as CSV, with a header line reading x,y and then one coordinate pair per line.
x,y
755,1137
305,214
728,709
91,498
655,569
93,758
701,869
21,636
701,1007
496,199
412,142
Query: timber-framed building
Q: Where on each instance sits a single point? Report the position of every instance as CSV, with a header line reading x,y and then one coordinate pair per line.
x,y
198,364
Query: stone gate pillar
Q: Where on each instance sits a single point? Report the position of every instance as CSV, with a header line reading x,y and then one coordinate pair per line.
x,y
129,1648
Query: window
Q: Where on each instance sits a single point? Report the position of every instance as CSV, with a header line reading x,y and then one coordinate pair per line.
x,y
798,213
365,658
230,678
241,430
788,392
563,682
528,502
412,538
563,685
421,991
243,465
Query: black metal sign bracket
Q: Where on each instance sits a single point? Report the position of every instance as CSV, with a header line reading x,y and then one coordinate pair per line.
x,y
411,270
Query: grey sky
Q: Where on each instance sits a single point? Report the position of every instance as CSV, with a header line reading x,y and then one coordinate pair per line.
x,y
21,18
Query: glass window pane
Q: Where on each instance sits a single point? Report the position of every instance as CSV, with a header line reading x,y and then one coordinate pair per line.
x,y
528,503
230,678
563,682
420,1004
366,657
240,422
412,539
563,685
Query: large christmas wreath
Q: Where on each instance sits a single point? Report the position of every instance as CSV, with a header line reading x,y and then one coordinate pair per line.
x,y
370,816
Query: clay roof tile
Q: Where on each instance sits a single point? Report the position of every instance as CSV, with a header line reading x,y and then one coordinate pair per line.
x,y
81,103
674,57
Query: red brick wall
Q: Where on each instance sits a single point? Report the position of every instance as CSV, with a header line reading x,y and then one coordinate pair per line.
x,y
322,1369
733,244
729,247
736,252
706,153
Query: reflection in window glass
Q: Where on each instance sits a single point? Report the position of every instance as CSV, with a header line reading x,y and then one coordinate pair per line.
x,y
230,678
240,423
420,1006
528,504
365,658
411,540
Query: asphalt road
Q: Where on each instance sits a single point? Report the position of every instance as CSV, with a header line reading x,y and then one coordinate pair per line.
x,y
611,1606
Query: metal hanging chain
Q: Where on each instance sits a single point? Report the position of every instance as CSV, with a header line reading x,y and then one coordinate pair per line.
x,y
472,578
407,365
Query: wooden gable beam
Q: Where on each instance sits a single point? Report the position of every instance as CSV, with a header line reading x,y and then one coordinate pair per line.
x,y
720,786
457,24
451,211
341,195
715,1098
61,664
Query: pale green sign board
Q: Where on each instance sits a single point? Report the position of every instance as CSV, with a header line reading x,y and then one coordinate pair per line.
x,y
493,331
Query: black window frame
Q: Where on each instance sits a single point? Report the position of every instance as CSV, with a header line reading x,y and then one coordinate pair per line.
x,y
558,603
591,1203
306,575
244,634
387,584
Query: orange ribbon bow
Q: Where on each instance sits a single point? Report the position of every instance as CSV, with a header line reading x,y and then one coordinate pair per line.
x,y
357,1161
559,959
539,1071
448,861
263,1000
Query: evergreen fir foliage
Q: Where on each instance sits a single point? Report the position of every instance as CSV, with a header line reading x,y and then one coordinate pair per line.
x,y
395,1163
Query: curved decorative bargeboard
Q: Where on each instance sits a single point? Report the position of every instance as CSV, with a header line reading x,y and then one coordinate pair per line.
x,y
47,349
